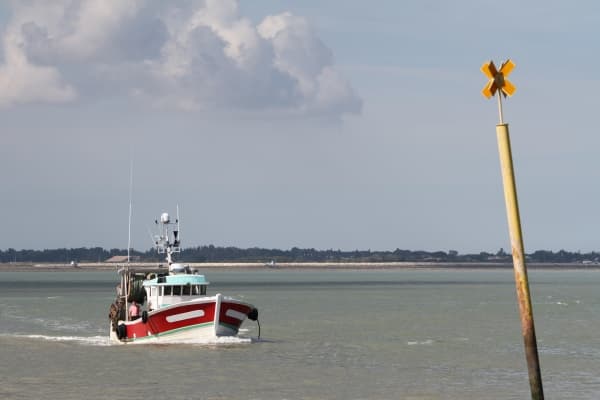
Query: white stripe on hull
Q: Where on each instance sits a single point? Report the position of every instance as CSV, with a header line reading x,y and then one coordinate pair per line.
x,y
184,316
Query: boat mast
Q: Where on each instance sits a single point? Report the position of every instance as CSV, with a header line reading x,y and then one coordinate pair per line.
x,y
130,208
125,289
162,240
125,277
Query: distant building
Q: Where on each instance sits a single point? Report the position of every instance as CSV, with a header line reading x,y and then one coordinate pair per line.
x,y
122,259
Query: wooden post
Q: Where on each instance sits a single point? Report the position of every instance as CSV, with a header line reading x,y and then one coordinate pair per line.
x,y
518,254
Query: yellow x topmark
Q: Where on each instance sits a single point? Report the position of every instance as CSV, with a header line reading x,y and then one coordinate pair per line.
x,y
498,79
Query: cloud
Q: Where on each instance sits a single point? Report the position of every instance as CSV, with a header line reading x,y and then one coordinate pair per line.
x,y
23,82
189,55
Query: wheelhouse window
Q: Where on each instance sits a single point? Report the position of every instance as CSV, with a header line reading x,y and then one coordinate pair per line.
x,y
187,289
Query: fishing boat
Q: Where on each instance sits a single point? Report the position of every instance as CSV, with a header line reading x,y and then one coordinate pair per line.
x,y
169,304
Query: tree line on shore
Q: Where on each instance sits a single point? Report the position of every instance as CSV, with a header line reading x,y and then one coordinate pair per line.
x,y
211,253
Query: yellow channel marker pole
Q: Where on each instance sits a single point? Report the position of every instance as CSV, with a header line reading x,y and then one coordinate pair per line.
x,y
498,83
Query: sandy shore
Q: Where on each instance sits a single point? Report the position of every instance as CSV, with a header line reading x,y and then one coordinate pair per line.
x,y
295,265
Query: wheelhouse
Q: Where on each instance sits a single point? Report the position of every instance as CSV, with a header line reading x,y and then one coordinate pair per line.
x,y
162,291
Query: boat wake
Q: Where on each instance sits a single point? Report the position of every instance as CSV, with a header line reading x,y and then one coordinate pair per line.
x,y
84,340
105,341
220,341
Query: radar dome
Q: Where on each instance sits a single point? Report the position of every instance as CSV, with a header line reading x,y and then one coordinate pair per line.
x,y
164,218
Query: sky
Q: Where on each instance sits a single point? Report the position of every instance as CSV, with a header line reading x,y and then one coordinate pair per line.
x,y
313,124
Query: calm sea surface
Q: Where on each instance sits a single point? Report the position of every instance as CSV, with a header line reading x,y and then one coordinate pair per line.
x,y
393,334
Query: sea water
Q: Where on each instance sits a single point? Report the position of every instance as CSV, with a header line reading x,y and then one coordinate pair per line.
x,y
330,334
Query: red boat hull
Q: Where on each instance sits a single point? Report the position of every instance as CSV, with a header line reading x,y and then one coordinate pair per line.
x,y
199,319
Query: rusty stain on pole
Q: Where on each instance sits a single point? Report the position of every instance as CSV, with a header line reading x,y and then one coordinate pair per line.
x,y
498,84
518,254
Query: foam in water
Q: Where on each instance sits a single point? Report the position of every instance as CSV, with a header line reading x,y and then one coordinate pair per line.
x,y
104,340
223,340
420,342
85,340
63,325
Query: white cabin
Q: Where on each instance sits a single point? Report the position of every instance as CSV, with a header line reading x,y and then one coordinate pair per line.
x,y
164,290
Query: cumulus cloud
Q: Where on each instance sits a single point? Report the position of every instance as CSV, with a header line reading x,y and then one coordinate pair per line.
x,y
189,55
23,82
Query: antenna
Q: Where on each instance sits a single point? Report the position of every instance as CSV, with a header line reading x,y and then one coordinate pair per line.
x,y
178,229
130,208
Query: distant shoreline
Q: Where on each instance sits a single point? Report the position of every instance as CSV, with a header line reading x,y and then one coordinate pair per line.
x,y
57,267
